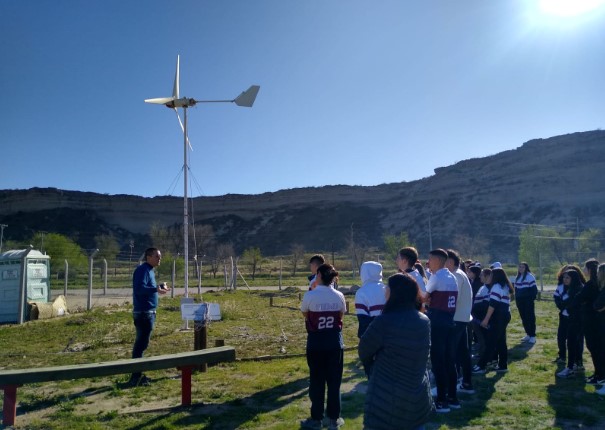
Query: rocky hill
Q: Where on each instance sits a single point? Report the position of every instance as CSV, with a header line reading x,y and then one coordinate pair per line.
x,y
545,181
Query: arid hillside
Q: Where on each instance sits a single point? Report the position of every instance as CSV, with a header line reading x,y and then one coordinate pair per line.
x,y
559,180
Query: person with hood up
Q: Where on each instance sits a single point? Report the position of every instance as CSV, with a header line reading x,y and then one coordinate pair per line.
x,y
371,297
398,343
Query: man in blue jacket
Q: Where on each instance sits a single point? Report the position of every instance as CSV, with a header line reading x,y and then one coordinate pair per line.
x,y
145,302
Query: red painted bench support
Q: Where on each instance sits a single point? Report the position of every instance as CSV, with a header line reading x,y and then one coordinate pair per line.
x,y
186,385
9,409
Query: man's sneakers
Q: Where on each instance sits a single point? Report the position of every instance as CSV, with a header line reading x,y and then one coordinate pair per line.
x,y
141,381
529,339
331,424
441,407
336,424
482,370
601,391
310,423
559,360
465,388
566,373
594,380
478,370
491,365
454,403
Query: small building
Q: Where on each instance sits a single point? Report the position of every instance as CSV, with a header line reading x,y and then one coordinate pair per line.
x,y
18,286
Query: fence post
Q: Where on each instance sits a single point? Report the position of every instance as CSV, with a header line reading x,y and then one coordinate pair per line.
x,y
541,276
200,340
280,272
173,278
90,261
199,277
66,278
234,273
104,277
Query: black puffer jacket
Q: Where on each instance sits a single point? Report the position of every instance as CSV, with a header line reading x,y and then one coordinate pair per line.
x,y
398,396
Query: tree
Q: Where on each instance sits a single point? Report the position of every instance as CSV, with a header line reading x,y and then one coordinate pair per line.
x,y
201,239
170,238
297,253
549,246
538,244
589,242
253,257
473,248
11,245
221,252
357,249
108,247
61,248
393,243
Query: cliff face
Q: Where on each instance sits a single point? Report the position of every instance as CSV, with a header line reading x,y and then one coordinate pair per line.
x,y
545,181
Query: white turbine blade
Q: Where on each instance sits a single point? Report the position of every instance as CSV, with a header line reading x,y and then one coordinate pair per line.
x,y
177,78
182,127
246,99
160,101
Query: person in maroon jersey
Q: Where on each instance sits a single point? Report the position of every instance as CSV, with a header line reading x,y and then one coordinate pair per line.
x,y
443,294
323,309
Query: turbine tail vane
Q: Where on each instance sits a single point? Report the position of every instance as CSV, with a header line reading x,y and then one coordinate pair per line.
x,y
246,99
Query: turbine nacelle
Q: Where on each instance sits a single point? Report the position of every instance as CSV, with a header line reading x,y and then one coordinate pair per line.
x,y
181,103
173,102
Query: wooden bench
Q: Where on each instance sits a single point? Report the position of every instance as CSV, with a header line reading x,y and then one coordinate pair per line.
x,y
10,380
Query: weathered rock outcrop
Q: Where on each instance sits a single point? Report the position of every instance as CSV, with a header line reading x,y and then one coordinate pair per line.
x,y
545,181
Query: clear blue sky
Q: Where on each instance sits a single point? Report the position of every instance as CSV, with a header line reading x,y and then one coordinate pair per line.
x,y
352,92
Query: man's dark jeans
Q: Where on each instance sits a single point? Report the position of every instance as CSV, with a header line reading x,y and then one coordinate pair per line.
x,y
144,323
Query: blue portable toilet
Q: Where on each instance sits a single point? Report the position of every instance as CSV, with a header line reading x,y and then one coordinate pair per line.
x,y
18,286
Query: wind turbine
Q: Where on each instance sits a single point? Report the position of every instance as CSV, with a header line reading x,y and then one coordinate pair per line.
x,y
245,99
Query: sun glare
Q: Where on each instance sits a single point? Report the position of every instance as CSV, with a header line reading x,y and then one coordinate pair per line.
x,y
570,7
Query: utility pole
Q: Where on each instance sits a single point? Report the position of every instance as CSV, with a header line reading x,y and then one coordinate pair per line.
x,y
352,241
430,235
42,234
131,246
2,226
577,241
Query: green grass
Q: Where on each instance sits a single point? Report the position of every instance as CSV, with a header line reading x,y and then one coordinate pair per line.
x,y
267,394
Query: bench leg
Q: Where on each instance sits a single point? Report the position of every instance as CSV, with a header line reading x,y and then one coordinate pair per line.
x,y
186,385
9,409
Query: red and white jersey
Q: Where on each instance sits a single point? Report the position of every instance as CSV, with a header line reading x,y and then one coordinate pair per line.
x,y
324,307
443,290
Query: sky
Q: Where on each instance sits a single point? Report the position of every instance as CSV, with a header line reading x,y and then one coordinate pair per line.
x,y
352,92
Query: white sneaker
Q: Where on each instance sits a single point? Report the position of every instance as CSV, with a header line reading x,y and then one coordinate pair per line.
x,y
566,373
532,340
336,424
467,389
525,339
601,391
